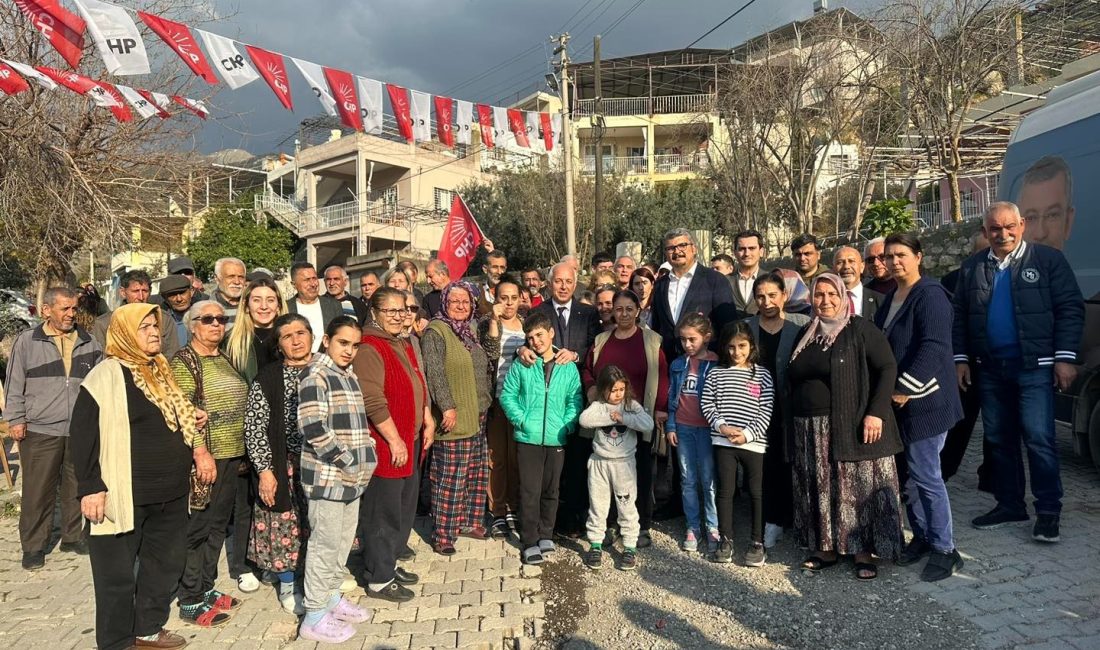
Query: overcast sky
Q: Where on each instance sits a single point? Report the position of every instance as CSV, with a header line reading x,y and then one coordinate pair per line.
x,y
447,46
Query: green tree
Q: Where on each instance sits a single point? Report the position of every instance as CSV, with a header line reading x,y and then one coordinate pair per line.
x,y
887,217
233,232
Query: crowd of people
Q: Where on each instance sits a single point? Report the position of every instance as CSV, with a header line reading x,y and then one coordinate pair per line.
x,y
302,432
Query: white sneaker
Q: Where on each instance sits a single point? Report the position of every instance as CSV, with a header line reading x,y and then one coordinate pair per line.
x,y
292,603
248,583
348,585
772,534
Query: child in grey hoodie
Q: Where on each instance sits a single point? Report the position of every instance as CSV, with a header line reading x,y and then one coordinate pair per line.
x,y
615,418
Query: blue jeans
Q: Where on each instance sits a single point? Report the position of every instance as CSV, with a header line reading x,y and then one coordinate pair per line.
x,y
1018,404
696,475
928,506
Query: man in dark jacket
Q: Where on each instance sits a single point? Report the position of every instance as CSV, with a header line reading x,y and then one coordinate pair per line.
x,y
318,309
689,287
1019,315
45,370
336,284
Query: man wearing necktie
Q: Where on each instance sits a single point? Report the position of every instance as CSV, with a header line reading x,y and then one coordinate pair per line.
x,y
862,301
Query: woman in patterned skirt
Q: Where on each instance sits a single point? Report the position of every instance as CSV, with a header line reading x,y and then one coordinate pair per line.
x,y
842,375
274,445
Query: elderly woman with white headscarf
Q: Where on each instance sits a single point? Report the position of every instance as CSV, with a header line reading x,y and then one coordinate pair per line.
x,y
842,375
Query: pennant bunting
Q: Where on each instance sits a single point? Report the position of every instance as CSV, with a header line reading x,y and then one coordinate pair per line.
x,y
234,69
547,131
10,81
342,85
194,105
518,126
116,37
178,37
399,101
555,127
272,68
502,131
30,73
421,115
534,131
64,29
113,100
144,108
315,77
461,237
74,81
102,93
464,119
485,119
444,120
158,101
370,105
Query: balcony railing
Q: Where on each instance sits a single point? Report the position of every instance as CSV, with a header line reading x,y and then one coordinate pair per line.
x,y
662,105
674,163
616,165
300,219
637,165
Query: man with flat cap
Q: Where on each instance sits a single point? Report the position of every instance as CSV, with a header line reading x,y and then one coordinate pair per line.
x,y
183,265
175,294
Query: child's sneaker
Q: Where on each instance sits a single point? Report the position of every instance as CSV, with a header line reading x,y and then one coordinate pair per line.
x,y
724,553
328,630
772,535
715,539
756,555
629,560
691,543
593,558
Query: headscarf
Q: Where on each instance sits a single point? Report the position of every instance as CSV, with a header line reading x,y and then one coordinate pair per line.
x,y
798,296
821,329
462,329
152,376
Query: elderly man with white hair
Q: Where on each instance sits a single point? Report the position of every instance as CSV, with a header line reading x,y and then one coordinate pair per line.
x,y
877,273
230,275
862,301
336,284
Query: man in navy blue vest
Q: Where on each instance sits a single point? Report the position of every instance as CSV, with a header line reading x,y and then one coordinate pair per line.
x,y
1019,315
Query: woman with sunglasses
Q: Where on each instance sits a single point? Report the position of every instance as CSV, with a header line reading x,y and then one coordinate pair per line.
x,y
210,381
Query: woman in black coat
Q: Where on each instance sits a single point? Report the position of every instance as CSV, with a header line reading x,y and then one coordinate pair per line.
x,y
842,375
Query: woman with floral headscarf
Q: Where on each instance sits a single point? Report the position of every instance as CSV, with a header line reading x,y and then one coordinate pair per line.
x,y
842,375
131,443
457,366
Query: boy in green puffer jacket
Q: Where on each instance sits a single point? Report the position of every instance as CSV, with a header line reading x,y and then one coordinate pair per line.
x,y
543,402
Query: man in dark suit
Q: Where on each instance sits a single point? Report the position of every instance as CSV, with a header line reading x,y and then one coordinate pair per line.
x,y
689,287
319,309
748,246
848,264
575,328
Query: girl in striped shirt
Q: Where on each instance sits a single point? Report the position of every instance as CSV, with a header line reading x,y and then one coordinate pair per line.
x,y
737,402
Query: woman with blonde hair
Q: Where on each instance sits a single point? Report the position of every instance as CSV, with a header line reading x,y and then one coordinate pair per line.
x,y
250,345
398,279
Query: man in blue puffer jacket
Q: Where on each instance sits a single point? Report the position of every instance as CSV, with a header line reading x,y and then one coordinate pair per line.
x,y
1019,314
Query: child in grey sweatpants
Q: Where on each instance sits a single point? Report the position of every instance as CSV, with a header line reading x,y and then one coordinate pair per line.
x,y
615,418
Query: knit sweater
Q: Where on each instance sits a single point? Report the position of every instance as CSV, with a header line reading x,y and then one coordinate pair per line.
x,y
226,396
393,389
457,378
614,440
739,397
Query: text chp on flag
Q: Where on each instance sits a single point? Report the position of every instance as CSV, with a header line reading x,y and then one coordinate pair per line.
x,y
461,237
356,100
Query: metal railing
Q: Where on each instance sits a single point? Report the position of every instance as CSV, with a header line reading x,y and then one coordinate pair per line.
x,y
300,219
672,163
616,165
638,165
932,214
666,104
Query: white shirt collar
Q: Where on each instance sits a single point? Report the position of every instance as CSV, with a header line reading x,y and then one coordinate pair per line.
x,y
687,276
1016,254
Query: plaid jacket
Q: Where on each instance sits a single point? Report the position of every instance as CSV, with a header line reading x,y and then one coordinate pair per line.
x,y
338,456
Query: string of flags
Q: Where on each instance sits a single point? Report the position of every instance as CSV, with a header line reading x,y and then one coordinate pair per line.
x,y
356,100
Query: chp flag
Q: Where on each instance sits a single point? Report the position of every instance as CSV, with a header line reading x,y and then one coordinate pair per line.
x,y
63,28
461,237
116,37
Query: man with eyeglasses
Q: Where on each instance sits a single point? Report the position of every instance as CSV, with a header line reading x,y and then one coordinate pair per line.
x,y
133,287
878,275
689,287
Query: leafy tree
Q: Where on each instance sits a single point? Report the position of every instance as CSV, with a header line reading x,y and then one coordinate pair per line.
x,y
887,217
233,232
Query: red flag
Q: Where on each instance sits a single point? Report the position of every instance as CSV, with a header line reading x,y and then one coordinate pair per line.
x,y
74,81
272,68
118,106
342,86
101,92
162,112
10,81
461,237
64,29
444,120
485,119
518,124
399,100
547,131
179,37
194,105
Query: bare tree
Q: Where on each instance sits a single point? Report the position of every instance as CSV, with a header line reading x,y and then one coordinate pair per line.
x,y
71,175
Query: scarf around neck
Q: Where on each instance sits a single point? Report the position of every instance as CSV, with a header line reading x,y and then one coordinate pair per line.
x,y
463,329
824,330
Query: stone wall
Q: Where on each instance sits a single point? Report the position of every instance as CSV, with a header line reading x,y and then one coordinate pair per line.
x,y
944,247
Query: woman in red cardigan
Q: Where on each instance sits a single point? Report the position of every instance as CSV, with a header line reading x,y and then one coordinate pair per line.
x,y
401,422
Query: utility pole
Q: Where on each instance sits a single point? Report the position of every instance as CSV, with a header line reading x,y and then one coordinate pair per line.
x,y
567,143
597,133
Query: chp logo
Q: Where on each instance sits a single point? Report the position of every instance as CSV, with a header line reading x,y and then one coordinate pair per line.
x,y
462,239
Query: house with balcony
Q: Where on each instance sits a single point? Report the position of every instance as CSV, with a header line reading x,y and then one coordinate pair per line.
x,y
364,201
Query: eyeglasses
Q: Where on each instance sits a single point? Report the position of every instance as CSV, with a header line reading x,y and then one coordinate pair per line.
x,y
394,313
459,303
874,258
209,319
682,246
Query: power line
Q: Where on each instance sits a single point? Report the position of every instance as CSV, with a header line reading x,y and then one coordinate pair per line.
x,y
715,28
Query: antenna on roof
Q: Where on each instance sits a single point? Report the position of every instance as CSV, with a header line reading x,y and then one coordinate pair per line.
x,y
821,6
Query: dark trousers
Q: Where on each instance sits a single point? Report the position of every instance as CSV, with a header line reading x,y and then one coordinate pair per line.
x,y
129,604
540,476
726,460
503,475
236,548
424,498
386,507
573,504
778,488
643,456
206,534
46,464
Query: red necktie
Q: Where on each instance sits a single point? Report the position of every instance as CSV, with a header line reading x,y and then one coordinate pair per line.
x,y
851,304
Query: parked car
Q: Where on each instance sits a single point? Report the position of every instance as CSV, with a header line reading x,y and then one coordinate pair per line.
x,y
16,313
1050,171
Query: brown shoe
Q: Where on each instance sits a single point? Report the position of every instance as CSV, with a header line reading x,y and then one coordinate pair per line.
x,y
164,640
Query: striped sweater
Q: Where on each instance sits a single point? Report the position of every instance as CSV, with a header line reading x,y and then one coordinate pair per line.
x,y
739,397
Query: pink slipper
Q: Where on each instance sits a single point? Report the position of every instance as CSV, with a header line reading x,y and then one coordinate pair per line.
x,y
349,613
327,630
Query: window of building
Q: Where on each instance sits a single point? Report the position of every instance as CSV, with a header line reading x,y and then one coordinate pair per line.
x,y
443,199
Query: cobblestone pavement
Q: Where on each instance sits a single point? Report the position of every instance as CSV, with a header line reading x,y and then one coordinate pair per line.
x,y
1013,592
